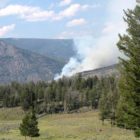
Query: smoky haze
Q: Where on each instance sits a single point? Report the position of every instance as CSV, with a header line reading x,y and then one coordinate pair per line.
x,y
101,51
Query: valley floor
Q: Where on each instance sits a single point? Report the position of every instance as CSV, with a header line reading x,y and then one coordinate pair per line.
x,y
77,126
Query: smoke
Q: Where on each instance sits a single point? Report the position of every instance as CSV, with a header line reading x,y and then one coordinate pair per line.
x,y
92,53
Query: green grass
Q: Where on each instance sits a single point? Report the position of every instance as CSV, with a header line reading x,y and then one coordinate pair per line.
x,y
80,126
11,113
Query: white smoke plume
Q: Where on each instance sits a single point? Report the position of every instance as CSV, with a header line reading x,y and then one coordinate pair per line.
x,y
93,52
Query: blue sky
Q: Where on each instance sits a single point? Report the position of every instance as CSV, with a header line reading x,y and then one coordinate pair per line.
x,y
57,18
53,18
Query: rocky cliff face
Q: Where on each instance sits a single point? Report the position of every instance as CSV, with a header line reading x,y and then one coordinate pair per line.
x,y
23,66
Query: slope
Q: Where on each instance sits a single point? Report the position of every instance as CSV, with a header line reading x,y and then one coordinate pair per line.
x,y
23,66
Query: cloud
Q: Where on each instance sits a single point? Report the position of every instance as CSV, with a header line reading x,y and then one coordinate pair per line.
x,y
120,4
75,34
65,2
5,29
30,13
86,6
71,11
76,22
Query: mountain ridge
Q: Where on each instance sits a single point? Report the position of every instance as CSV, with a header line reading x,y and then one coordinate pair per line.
x,y
57,49
24,66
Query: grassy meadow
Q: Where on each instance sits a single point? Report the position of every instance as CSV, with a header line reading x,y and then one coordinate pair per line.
x,y
76,126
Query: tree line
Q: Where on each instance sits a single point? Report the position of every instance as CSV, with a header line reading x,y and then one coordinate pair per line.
x,y
64,95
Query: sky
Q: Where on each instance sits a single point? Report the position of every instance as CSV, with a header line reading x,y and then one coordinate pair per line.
x,y
57,18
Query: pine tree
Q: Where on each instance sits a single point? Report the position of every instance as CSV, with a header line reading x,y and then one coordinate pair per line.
x,y
33,130
24,126
28,127
128,113
104,108
109,99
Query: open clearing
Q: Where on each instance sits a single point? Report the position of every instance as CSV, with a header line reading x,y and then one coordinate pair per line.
x,y
77,126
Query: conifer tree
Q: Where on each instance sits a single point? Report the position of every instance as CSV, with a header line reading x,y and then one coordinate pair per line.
x,y
24,126
33,130
109,99
128,113
29,125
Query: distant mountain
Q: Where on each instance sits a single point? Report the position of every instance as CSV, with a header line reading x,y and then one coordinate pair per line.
x,y
104,71
20,65
58,49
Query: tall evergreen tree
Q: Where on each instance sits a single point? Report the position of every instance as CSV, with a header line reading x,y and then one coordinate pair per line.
x,y
29,125
33,130
128,114
24,126
109,99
